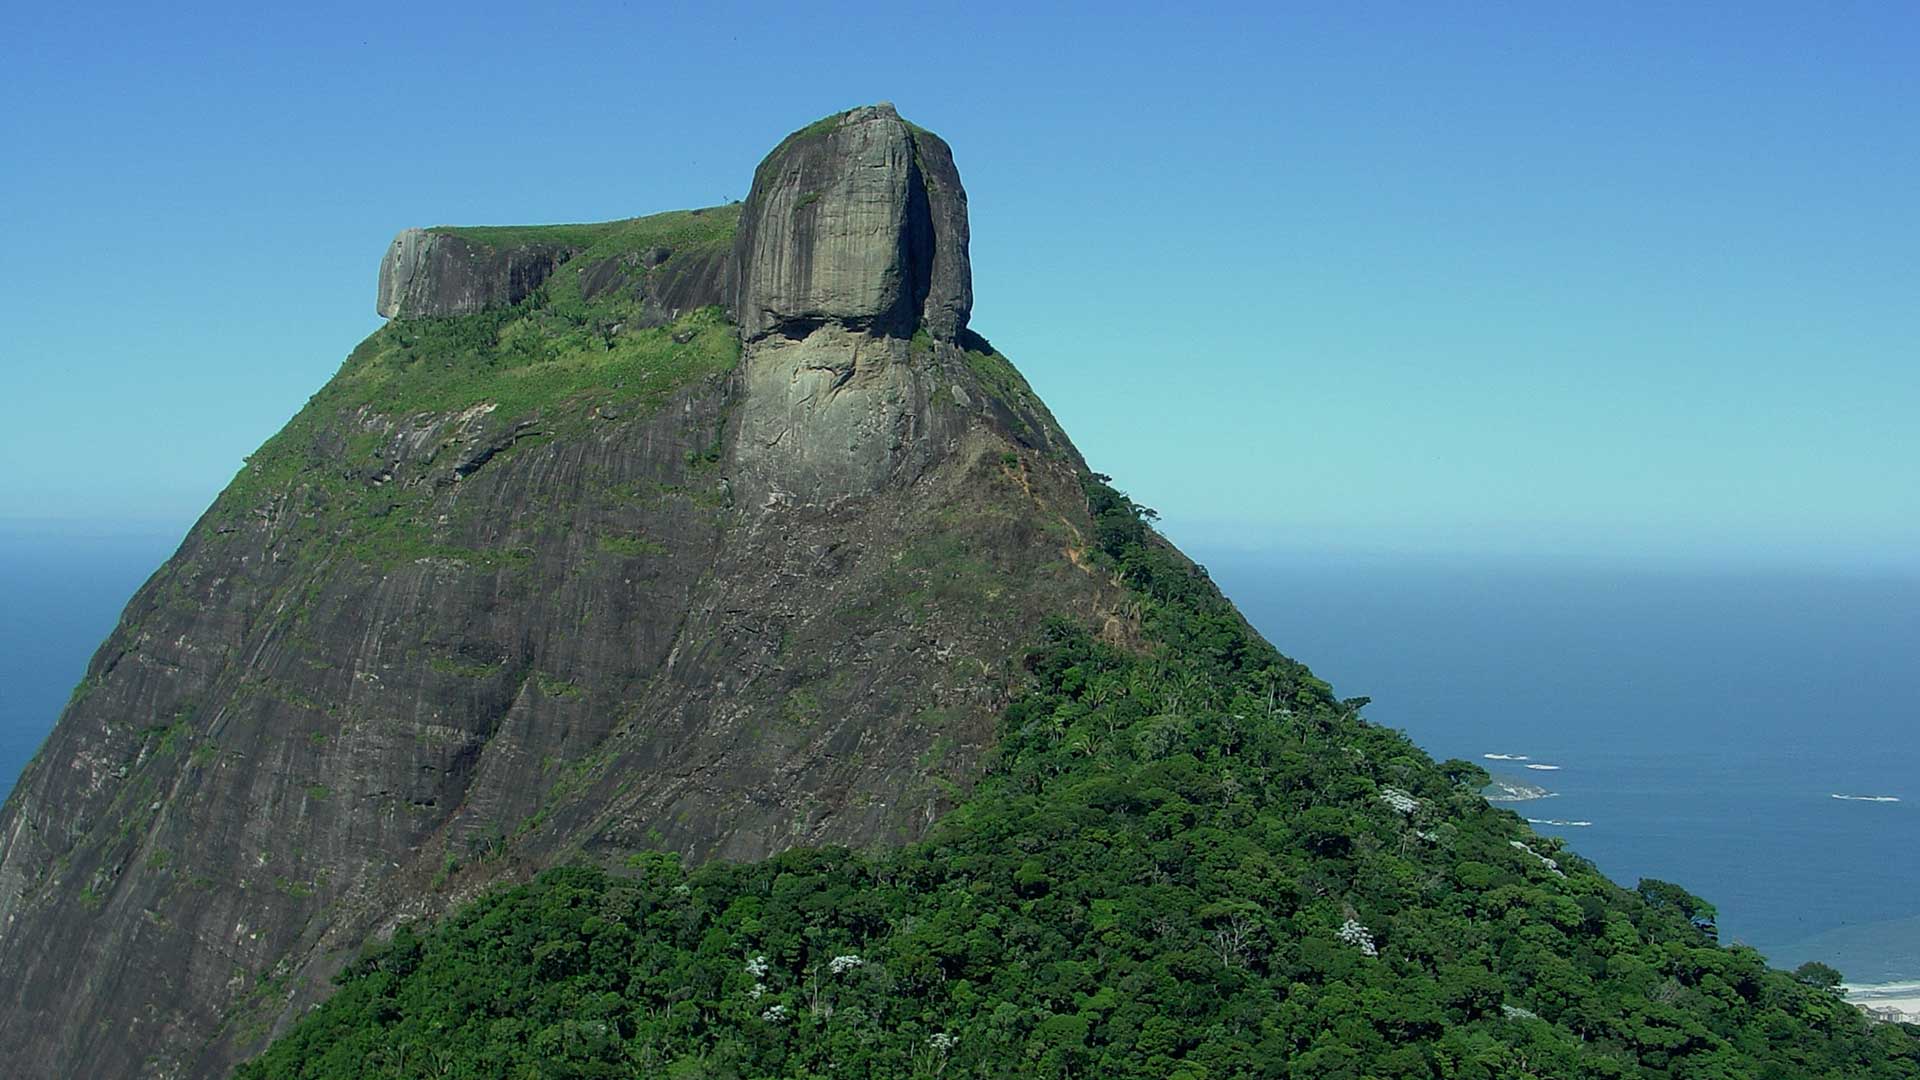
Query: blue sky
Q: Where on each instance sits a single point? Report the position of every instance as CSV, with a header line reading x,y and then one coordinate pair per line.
x,y
1636,283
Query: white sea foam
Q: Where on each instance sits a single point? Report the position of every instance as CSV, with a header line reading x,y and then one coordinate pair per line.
x,y
1870,991
1866,798
1557,822
1505,757
1544,768
1886,1001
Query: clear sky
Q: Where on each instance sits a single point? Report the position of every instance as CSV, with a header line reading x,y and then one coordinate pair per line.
x,y
1605,281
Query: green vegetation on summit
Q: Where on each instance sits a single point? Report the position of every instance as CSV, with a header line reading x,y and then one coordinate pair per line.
x,y
711,229
1190,860
530,372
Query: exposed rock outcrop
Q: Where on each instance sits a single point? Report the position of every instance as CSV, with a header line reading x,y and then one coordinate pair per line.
x,y
858,220
852,286
436,274
669,282
425,644
447,271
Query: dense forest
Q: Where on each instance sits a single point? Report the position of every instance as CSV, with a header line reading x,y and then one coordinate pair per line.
x,y
1190,860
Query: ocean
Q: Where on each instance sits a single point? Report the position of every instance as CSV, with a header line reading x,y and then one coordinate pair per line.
x,y
1701,723
61,591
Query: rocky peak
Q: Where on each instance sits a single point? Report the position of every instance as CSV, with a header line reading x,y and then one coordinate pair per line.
x,y
857,220
605,575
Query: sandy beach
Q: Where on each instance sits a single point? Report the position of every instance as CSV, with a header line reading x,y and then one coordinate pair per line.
x,y
1889,1001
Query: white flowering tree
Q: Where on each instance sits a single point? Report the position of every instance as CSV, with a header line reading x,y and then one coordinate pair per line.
x,y
1352,933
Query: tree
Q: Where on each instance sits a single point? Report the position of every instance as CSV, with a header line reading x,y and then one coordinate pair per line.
x,y
1666,896
1815,973
1465,773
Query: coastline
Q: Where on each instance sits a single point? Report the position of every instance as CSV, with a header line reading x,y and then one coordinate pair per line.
x,y
1893,1001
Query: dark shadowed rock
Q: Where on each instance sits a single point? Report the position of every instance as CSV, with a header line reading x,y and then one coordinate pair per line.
x,y
949,292
448,271
669,283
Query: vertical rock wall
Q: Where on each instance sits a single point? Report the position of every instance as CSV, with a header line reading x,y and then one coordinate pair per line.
x,y
438,274
852,242
858,220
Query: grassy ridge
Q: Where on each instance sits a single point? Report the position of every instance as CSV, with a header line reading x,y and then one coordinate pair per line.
x,y
543,366
528,360
710,227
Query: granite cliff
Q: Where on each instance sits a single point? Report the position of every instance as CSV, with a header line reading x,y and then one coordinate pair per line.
x,y
705,532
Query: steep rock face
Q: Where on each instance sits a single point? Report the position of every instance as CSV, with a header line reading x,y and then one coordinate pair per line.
x,y
277,727
437,274
860,220
445,271
570,574
840,413
852,287
668,282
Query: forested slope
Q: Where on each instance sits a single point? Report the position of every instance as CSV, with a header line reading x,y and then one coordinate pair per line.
x,y
1190,860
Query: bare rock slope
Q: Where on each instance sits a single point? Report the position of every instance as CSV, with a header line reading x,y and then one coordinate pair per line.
x,y
714,531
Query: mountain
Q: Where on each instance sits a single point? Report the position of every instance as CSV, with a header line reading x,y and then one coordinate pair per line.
x,y
681,646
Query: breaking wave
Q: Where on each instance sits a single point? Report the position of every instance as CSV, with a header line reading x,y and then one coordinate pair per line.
x,y
1544,768
1558,822
1866,798
1505,757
